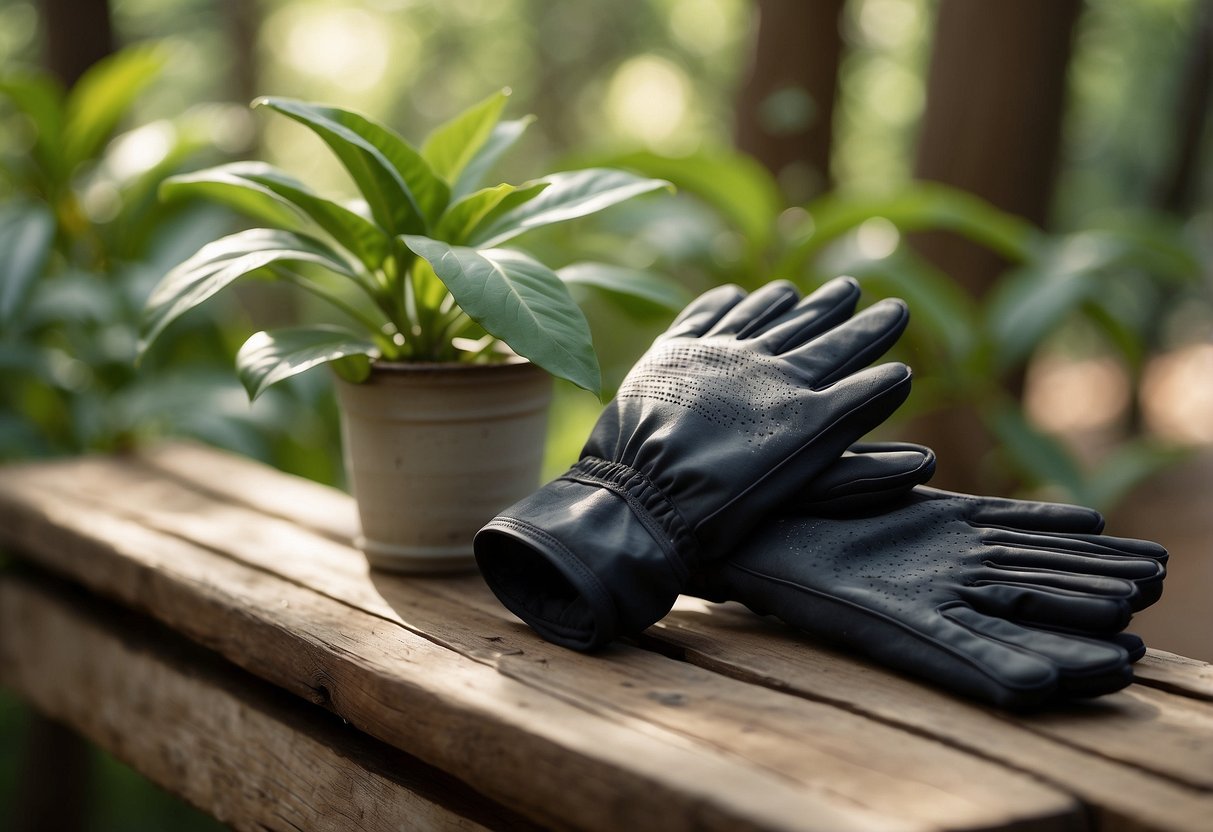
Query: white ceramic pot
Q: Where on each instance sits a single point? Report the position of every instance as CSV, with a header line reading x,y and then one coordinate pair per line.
x,y
434,451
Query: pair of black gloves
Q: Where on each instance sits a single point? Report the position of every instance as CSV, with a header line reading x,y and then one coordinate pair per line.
x,y
726,468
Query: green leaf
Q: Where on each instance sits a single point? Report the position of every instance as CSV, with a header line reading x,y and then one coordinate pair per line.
x,y
102,97
1128,466
1038,456
482,207
501,138
1029,303
736,186
218,264
451,146
266,193
42,100
403,193
269,357
233,186
519,301
27,232
629,286
569,195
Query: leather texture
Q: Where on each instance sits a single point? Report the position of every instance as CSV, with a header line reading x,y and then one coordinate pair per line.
x,y
743,400
1012,602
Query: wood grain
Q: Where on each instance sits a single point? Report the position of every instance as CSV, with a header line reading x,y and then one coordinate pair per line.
x,y
214,545
1119,794
243,751
550,759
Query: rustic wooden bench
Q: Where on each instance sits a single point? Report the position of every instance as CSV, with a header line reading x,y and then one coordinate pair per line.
x,y
203,618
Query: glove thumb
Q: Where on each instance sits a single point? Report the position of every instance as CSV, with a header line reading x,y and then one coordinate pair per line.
x,y
869,476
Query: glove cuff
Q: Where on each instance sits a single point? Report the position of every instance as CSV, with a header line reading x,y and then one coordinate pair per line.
x,y
588,557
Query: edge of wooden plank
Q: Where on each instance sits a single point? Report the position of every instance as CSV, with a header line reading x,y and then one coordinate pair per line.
x,y
1176,674
228,743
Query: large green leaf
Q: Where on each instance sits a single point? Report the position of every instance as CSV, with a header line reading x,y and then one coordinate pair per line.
x,y
569,195
218,264
27,231
102,97
1029,303
502,137
269,357
403,193
481,208
267,193
629,286
735,185
450,147
232,185
520,301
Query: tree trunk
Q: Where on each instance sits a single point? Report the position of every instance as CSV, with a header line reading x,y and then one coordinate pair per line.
x,y
786,103
78,34
995,101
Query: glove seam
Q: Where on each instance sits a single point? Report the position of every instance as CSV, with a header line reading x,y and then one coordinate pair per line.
x,y
649,504
603,598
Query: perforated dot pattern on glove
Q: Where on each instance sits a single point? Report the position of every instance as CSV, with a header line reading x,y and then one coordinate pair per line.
x,y
751,393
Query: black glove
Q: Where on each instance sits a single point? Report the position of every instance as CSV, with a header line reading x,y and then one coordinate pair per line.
x,y
1008,601
731,410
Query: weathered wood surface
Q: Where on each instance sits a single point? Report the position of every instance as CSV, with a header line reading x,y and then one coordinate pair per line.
x,y
246,752
715,720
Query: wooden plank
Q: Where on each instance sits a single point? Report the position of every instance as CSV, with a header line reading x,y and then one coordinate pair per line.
x,y
1178,674
1120,795
819,749
226,742
536,752
1140,728
330,512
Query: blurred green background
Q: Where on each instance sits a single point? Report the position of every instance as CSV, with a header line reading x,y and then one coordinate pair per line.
x,y
1034,177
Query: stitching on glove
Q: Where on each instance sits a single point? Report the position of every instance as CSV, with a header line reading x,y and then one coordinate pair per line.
x,y
590,584
649,503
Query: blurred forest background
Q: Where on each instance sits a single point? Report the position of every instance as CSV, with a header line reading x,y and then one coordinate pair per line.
x,y
1034,176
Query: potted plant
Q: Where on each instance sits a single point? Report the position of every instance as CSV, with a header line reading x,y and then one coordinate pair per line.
x,y
447,339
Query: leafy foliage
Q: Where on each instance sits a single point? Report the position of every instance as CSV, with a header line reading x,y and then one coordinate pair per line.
x,y
80,236
962,348
421,271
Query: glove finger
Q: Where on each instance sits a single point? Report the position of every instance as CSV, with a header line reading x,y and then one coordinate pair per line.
x,y
1132,643
1056,579
854,406
1094,544
817,313
1090,563
1146,573
1082,666
1033,516
757,310
851,345
1074,611
702,313
868,475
